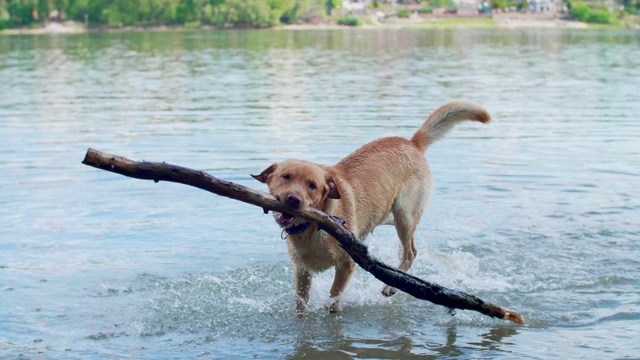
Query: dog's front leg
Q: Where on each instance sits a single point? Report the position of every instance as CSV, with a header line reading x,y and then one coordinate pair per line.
x,y
344,271
303,285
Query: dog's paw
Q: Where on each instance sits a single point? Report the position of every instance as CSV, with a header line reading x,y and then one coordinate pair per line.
x,y
389,291
300,308
333,307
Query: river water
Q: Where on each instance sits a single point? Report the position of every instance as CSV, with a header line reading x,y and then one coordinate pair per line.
x,y
538,211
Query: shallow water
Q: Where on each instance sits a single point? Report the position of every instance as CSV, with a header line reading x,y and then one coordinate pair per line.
x,y
538,211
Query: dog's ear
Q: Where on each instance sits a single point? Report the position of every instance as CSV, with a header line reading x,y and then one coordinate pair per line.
x,y
264,175
333,192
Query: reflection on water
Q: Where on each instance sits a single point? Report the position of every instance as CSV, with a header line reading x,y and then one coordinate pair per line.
x,y
537,211
402,347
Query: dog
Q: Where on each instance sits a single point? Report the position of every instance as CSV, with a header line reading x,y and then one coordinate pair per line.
x,y
386,181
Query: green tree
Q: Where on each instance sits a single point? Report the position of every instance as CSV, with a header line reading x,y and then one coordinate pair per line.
x,y
434,4
189,10
523,5
60,6
628,6
254,13
43,9
156,11
301,9
92,8
500,4
214,12
584,12
247,13
21,11
120,13
291,14
332,4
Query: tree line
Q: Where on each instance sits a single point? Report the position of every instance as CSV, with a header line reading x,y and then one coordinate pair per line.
x,y
240,13
115,13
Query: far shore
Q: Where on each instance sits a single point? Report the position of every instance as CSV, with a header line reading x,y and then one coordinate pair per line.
x,y
497,21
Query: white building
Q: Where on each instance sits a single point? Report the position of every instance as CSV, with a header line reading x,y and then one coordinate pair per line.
x,y
547,6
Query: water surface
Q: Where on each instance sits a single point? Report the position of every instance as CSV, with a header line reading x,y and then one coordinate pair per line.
x,y
537,211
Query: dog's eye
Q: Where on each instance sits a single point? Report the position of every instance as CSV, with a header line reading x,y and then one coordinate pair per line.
x,y
287,177
312,186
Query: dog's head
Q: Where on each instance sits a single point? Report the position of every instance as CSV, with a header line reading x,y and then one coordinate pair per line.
x,y
298,184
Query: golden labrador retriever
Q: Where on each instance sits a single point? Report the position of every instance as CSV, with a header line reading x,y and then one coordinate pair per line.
x,y
385,181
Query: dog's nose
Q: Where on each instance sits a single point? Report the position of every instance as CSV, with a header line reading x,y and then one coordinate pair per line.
x,y
293,200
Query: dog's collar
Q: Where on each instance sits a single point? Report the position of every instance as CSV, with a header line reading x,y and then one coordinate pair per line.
x,y
295,229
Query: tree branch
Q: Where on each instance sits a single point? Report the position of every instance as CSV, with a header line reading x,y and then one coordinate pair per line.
x,y
410,284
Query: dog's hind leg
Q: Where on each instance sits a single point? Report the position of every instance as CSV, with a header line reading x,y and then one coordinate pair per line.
x,y
405,227
407,211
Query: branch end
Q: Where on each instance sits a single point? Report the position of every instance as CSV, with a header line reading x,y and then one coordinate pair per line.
x,y
515,317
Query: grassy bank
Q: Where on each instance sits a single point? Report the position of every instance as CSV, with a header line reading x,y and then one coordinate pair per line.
x,y
426,23
455,23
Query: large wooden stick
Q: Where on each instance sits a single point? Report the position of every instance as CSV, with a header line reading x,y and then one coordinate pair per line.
x,y
410,284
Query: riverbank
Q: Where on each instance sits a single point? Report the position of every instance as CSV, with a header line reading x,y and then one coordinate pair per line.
x,y
516,20
502,21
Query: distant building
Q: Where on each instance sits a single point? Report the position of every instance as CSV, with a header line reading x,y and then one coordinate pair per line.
x,y
547,6
363,4
355,5
468,7
541,6
464,7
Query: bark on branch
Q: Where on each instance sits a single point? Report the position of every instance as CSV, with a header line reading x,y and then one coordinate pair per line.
x,y
389,275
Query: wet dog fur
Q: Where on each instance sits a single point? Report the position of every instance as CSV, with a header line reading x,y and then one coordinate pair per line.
x,y
385,181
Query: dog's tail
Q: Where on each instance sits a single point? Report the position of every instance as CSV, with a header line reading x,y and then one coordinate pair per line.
x,y
444,119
